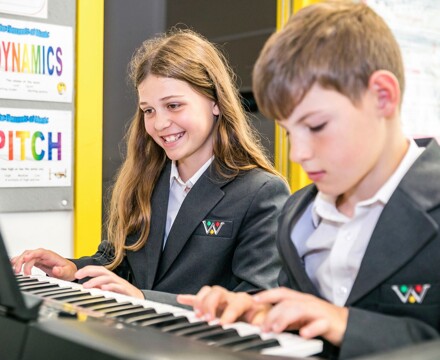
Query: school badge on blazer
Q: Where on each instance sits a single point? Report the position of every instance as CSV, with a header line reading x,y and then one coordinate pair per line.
x,y
215,228
411,293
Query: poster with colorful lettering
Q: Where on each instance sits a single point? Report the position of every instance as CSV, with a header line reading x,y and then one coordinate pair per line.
x,y
36,61
35,148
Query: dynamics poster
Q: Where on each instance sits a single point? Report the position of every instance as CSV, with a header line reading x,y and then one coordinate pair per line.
x,y
35,148
36,61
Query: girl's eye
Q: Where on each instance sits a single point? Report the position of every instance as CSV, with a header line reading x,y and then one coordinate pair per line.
x,y
173,106
317,128
147,111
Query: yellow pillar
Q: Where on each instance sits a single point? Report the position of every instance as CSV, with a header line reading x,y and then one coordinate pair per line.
x,y
293,172
88,126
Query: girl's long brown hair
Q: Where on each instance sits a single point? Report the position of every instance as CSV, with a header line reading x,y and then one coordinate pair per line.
x,y
187,56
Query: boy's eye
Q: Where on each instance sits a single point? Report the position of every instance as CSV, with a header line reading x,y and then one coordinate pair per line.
x,y
317,128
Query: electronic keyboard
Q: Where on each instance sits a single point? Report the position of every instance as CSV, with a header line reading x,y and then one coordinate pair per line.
x,y
70,300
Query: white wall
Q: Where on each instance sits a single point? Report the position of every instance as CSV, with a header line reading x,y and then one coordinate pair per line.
x,y
30,230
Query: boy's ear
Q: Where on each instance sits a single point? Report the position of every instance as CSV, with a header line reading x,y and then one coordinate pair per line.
x,y
385,86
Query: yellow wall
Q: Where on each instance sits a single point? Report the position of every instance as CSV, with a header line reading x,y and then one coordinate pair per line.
x,y
296,176
88,126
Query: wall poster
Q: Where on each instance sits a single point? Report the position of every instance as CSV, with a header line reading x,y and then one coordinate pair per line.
x,y
35,148
34,8
36,61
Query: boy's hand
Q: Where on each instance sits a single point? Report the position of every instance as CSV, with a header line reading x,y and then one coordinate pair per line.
x,y
304,312
48,261
104,279
212,302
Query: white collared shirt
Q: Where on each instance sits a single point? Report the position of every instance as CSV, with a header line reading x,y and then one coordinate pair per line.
x,y
336,243
178,191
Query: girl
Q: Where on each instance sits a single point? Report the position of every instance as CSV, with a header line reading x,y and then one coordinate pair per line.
x,y
196,200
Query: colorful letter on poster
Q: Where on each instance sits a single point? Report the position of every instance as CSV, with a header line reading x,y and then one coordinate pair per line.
x,y
36,61
35,148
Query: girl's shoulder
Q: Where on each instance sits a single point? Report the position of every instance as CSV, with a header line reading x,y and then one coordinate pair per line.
x,y
260,176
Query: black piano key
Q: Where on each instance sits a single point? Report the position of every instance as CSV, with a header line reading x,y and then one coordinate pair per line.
x,y
197,329
137,319
24,280
96,302
36,286
255,345
92,299
43,292
182,326
50,292
112,304
166,321
144,320
130,313
120,306
41,289
126,309
235,341
65,294
77,298
215,334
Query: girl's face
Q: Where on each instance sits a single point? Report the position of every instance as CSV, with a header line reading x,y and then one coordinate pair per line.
x,y
180,120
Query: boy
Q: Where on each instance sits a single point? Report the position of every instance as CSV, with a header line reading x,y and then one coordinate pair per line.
x,y
360,246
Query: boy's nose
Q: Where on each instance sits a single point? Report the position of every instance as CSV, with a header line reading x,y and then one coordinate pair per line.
x,y
300,151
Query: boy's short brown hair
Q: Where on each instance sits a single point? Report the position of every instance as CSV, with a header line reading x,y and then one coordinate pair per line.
x,y
337,44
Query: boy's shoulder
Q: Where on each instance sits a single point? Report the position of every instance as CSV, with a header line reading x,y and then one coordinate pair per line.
x,y
421,182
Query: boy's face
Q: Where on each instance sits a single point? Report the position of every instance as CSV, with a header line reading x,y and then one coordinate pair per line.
x,y
338,144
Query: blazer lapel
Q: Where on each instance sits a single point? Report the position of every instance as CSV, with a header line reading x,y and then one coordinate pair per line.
x,y
393,243
149,255
296,271
204,195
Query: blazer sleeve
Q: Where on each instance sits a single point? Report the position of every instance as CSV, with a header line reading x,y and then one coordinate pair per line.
x,y
256,263
102,257
370,332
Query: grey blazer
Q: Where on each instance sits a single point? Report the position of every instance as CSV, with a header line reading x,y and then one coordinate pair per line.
x,y
403,252
224,234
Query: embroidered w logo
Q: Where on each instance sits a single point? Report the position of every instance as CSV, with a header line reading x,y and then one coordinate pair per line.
x,y
411,294
212,227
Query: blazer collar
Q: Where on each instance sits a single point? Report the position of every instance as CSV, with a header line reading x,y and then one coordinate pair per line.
x,y
204,195
149,255
289,254
404,226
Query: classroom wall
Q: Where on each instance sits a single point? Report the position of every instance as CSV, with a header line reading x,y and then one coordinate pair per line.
x,y
39,217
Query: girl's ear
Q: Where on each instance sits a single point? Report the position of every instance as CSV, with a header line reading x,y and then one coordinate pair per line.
x,y
215,110
385,86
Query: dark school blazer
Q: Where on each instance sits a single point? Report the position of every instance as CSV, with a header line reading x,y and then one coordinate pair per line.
x,y
224,234
395,299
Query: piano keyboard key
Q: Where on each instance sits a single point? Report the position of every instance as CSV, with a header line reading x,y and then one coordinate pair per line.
x,y
165,321
177,327
166,318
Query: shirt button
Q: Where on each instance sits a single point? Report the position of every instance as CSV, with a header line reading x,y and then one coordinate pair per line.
x,y
343,290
